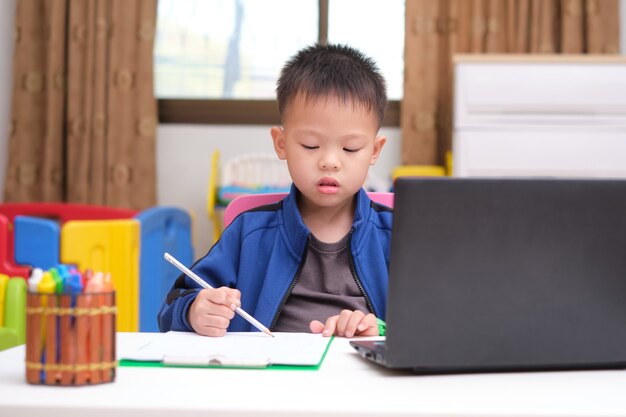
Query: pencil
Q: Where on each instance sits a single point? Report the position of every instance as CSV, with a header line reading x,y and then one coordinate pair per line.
x,y
47,285
108,330
51,340
204,284
81,329
94,288
33,337
66,339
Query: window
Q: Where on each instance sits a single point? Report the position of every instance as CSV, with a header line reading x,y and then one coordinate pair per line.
x,y
217,61
225,49
377,30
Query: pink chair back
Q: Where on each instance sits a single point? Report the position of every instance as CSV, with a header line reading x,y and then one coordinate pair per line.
x,y
250,201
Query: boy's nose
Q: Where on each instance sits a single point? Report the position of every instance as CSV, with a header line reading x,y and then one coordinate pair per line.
x,y
329,163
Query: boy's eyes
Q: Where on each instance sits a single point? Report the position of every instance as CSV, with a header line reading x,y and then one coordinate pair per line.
x,y
311,147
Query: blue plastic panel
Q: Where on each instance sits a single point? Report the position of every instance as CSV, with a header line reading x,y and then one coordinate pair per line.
x,y
36,242
163,229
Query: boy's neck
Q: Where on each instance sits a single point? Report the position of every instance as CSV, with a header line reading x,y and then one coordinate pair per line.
x,y
328,224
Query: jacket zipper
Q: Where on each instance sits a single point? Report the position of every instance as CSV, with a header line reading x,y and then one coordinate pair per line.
x,y
293,284
356,278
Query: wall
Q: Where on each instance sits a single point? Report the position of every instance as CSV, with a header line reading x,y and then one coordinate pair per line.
x,y
184,159
7,12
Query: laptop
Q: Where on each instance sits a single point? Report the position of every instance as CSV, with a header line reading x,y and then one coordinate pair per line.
x,y
494,275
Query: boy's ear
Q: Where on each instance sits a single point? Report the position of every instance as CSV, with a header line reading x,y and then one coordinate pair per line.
x,y
278,137
379,142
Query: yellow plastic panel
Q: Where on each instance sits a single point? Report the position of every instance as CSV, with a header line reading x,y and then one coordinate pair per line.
x,y
212,196
418,171
3,288
108,246
449,164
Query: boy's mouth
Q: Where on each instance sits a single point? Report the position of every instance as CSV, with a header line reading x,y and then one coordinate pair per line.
x,y
328,185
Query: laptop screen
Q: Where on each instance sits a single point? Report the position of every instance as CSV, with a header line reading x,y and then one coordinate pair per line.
x,y
507,274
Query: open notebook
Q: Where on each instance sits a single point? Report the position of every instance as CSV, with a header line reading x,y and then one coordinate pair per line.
x,y
245,349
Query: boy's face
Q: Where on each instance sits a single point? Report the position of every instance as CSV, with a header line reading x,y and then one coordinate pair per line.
x,y
329,146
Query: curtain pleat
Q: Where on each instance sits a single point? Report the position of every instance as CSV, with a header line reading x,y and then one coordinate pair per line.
x,y
84,114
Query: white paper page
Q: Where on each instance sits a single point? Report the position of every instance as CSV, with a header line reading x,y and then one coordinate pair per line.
x,y
244,347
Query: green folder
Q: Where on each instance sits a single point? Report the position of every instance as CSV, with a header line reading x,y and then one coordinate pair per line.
x,y
157,363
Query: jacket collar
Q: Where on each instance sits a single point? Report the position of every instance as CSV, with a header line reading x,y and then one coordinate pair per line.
x,y
297,233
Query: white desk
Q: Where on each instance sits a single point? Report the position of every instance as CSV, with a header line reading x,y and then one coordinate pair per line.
x,y
345,385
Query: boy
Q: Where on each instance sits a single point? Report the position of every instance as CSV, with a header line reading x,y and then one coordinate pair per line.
x,y
317,260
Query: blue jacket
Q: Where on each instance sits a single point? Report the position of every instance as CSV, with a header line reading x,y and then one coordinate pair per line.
x,y
261,254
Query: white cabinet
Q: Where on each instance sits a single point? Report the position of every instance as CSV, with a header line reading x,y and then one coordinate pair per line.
x,y
539,115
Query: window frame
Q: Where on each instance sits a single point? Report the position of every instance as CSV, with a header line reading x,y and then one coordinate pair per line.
x,y
246,112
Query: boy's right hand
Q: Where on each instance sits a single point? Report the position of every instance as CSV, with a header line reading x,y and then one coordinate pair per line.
x,y
211,311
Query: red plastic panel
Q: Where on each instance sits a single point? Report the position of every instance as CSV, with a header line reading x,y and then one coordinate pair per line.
x,y
63,212
7,266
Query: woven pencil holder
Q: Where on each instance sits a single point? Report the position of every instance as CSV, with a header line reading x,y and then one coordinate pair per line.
x,y
70,338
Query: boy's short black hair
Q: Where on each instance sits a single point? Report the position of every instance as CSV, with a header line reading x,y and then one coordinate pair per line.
x,y
339,70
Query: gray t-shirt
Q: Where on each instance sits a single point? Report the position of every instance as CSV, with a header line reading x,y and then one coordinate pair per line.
x,y
325,287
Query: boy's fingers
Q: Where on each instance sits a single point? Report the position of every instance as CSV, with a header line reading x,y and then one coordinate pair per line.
x,y
211,309
370,326
211,331
215,321
367,322
205,315
330,325
316,326
355,319
219,296
234,294
342,322
370,320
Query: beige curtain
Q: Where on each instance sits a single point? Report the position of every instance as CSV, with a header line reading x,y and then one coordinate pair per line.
x,y
84,114
436,29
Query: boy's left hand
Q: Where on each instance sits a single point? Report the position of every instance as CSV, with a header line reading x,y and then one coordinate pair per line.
x,y
347,324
